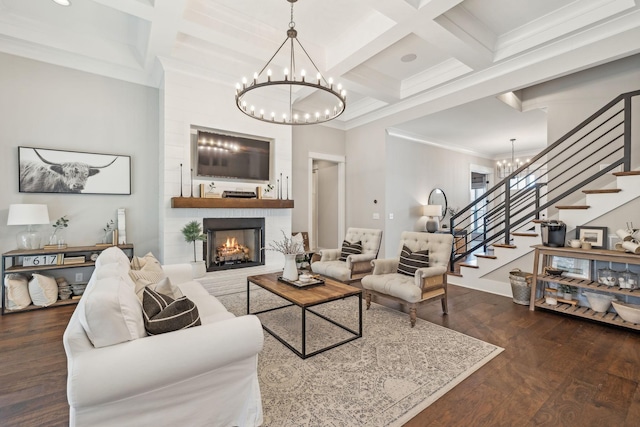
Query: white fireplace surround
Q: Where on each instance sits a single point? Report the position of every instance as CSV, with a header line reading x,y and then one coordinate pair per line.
x,y
186,100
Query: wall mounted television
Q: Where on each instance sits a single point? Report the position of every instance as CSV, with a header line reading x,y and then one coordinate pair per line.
x,y
231,156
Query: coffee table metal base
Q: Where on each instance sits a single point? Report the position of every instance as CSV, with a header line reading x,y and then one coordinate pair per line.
x,y
303,354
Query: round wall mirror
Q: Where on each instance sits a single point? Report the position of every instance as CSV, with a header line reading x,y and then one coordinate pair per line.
x,y
437,197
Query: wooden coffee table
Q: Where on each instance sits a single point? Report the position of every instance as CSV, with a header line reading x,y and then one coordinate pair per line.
x,y
306,298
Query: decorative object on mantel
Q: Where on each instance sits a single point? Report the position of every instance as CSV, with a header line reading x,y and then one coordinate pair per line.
x,y
630,239
290,248
191,176
180,179
29,215
192,232
251,96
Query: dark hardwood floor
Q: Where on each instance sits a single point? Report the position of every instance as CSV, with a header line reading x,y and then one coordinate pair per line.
x,y
555,370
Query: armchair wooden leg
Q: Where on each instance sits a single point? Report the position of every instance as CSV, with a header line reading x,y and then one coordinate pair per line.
x,y
412,315
367,298
445,308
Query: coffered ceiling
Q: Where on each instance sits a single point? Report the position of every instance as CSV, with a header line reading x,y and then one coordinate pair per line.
x,y
417,63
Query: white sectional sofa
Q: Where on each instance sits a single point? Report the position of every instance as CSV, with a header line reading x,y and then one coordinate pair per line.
x,y
201,376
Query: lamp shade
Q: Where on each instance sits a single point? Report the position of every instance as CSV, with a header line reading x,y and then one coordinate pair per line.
x,y
432,210
23,214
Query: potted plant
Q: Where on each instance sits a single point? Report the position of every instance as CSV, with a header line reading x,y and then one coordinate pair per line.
x,y
267,193
290,249
566,291
108,230
60,224
192,232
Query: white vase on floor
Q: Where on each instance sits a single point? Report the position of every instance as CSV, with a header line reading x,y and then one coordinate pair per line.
x,y
199,269
290,271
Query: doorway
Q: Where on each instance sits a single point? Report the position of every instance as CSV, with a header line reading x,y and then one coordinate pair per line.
x,y
326,201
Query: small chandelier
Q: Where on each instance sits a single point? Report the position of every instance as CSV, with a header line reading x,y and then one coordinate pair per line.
x,y
505,168
250,94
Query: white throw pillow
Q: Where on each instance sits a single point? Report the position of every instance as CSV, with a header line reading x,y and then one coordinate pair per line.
x,y
17,287
110,313
43,290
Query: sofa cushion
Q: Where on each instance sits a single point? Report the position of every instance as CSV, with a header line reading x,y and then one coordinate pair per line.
x,y
43,290
348,248
394,284
335,269
110,312
164,314
17,288
411,261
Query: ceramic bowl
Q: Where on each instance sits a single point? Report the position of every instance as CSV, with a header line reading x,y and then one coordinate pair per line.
x,y
554,271
305,278
599,302
628,312
575,243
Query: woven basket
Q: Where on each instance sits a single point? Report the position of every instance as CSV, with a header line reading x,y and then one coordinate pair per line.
x,y
520,286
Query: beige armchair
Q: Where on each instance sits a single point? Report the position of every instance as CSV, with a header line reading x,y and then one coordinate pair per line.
x,y
428,282
356,265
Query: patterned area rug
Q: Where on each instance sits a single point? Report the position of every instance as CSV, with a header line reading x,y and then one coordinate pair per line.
x,y
384,378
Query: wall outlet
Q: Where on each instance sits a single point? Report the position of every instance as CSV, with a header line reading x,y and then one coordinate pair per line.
x,y
390,216
78,277
376,215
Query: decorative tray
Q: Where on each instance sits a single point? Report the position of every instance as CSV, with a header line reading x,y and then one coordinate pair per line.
x,y
300,284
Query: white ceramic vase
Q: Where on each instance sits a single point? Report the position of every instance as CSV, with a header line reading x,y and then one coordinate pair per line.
x,y
199,269
290,271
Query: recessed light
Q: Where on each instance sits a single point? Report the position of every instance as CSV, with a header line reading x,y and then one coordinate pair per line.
x,y
63,2
409,57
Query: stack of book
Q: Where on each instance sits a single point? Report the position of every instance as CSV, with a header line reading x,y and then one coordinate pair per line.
x,y
74,260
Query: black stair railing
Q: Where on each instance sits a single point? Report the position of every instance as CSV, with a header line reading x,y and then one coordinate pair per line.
x,y
595,147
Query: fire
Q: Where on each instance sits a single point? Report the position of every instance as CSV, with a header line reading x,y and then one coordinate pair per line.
x,y
231,243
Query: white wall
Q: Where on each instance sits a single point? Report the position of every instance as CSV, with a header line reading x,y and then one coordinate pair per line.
x,y
413,170
53,107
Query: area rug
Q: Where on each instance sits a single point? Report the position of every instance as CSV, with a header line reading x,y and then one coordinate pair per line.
x,y
384,378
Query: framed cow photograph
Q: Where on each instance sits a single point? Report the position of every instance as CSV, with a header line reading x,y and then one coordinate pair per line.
x,y
43,170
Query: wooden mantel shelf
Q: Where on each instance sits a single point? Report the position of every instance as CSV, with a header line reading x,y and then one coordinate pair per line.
x,y
230,203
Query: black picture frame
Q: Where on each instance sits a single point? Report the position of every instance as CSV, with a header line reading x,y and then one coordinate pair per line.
x,y
45,170
597,236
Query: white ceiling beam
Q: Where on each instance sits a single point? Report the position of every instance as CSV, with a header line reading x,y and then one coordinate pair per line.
x,y
165,23
133,8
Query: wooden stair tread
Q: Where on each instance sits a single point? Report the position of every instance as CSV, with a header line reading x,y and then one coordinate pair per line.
x,y
504,245
469,265
525,234
485,256
538,221
603,191
574,207
628,173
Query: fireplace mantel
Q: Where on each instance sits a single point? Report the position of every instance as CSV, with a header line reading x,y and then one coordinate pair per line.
x,y
230,203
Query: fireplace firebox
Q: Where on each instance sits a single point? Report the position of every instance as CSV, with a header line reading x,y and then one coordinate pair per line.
x,y
233,243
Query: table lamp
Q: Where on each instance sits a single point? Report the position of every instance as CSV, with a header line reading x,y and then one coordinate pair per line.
x,y
433,213
29,215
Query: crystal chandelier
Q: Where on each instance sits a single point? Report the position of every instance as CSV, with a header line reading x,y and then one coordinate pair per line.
x,y
505,168
250,95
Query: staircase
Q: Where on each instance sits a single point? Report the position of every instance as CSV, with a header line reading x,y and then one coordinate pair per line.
x,y
571,177
475,274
